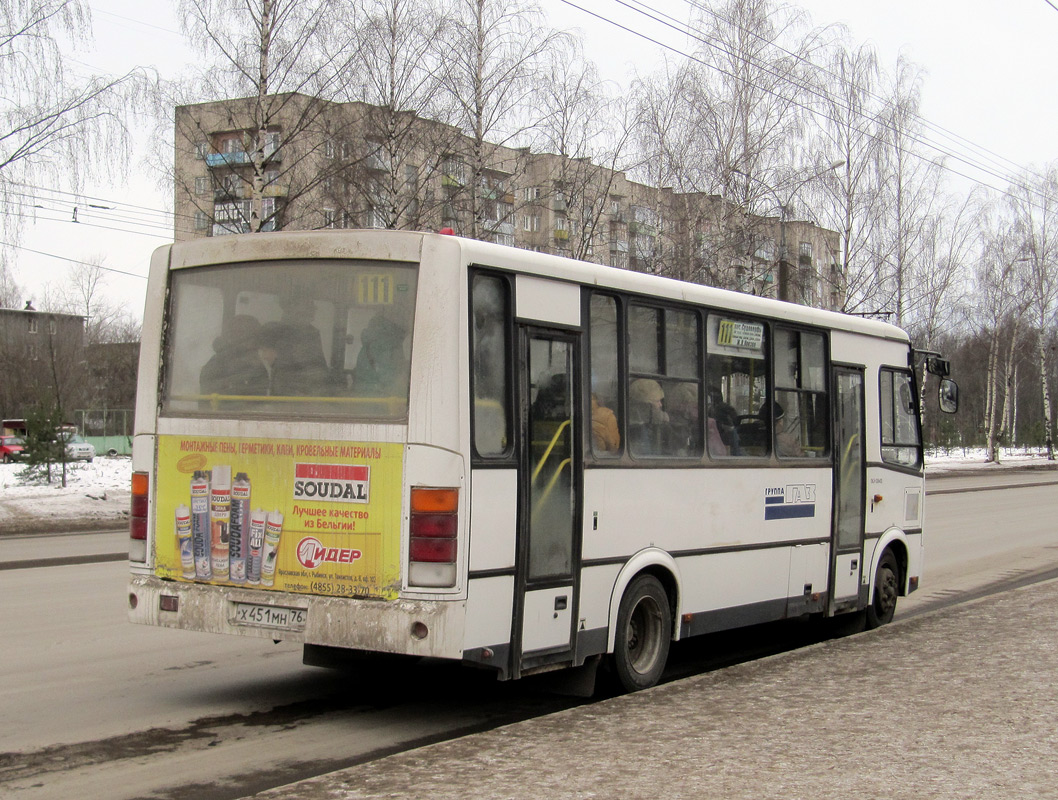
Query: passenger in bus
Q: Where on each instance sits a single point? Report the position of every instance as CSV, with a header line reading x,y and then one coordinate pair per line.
x,y
300,367
381,367
605,433
235,369
787,442
724,418
681,405
648,424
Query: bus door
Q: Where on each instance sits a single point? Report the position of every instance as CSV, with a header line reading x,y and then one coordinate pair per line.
x,y
548,560
849,490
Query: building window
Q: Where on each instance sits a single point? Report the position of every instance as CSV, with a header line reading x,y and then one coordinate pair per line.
x,y
52,328
32,325
201,149
806,250
531,193
271,142
531,222
268,213
201,221
328,218
328,148
202,185
31,352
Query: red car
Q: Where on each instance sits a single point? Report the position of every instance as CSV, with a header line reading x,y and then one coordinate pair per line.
x,y
10,448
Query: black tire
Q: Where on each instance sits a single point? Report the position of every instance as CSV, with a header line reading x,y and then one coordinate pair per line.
x,y
644,632
886,590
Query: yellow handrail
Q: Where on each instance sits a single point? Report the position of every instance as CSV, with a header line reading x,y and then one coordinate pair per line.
x,y
550,447
550,485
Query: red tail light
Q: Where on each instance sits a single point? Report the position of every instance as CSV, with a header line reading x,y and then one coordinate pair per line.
x,y
138,512
434,528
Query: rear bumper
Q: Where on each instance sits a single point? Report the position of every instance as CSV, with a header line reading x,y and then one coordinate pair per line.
x,y
376,625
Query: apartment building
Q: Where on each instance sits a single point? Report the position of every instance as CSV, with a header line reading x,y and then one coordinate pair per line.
x,y
294,162
42,359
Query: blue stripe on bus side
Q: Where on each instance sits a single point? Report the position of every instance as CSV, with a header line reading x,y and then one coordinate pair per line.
x,y
789,511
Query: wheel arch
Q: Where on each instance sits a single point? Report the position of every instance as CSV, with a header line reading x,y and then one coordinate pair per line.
x,y
662,566
894,540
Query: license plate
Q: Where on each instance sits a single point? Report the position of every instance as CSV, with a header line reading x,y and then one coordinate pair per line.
x,y
269,616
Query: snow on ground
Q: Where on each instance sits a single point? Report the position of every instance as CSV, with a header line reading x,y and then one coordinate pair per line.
x,y
97,494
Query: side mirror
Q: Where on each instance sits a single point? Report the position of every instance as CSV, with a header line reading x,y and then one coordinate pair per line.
x,y
948,394
941,367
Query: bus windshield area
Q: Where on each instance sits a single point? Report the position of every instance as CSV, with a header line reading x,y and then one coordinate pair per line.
x,y
290,339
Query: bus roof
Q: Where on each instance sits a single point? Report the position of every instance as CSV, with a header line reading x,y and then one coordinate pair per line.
x,y
408,245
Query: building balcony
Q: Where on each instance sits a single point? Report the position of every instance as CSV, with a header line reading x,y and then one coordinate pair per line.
x,y
562,236
238,158
275,190
224,193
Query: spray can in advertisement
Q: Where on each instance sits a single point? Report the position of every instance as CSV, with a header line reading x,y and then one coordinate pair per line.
x,y
270,552
256,544
183,540
238,530
220,519
200,525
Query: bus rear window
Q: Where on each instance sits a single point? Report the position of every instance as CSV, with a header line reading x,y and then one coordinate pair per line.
x,y
290,339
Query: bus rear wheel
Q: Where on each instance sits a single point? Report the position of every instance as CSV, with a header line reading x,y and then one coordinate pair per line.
x,y
644,631
886,590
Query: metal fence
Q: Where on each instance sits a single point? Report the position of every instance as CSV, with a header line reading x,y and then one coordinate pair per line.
x,y
108,429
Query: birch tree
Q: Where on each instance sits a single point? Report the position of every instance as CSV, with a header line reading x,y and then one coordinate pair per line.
x,y
848,196
278,58
55,126
909,184
588,130
395,68
739,121
1035,211
495,52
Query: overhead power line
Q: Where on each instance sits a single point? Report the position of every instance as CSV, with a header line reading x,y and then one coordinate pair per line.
x,y
686,30
71,260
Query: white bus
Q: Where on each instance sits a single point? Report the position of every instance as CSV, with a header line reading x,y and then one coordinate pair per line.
x,y
419,444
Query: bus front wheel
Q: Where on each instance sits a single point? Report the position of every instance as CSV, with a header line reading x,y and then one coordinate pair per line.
x,y
886,590
644,631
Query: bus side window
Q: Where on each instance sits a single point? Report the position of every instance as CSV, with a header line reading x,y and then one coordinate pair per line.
x,y
489,304
800,412
737,379
605,412
901,440
664,383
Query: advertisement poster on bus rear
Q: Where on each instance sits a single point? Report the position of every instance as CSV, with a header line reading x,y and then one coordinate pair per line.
x,y
288,515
